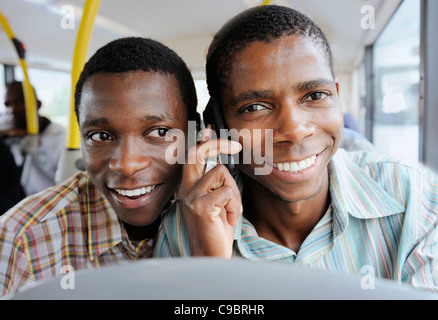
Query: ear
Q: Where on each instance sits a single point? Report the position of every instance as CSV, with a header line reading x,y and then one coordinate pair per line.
x,y
337,86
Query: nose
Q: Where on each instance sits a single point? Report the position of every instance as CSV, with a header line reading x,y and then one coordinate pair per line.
x,y
293,124
129,158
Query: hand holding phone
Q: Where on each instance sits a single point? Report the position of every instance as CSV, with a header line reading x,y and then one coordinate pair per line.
x,y
210,201
213,116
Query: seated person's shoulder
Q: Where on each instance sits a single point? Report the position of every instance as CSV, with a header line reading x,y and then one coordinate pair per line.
x,y
397,175
56,131
353,141
369,158
45,205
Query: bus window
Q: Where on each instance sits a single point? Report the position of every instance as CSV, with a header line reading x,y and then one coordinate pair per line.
x,y
203,95
397,77
53,89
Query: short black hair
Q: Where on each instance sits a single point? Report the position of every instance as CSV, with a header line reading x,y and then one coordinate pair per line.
x,y
133,54
19,84
262,23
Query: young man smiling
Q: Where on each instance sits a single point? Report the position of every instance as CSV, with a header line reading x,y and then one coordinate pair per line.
x,y
129,95
270,67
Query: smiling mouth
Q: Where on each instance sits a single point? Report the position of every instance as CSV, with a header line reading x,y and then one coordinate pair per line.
x,y
135,192
296,166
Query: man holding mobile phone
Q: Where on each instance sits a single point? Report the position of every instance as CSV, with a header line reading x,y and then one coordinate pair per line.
x,y
270,68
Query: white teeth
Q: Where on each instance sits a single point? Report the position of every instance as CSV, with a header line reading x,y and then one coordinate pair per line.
x,y
135,192
308,162
296,166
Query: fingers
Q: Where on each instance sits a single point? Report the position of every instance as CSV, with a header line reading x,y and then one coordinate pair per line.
x,y
210,220
194,169
211,149
218,184
217,189
221,204
223,198
211,201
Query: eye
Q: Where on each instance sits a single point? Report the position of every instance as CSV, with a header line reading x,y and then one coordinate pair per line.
x,y
158,133
100,137
252,108
18,102
316,96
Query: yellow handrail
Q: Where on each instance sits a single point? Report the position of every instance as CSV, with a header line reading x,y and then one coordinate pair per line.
x,y
71,160
29,94
82,41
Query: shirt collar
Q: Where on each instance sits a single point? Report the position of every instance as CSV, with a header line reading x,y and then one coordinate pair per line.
x,y
251,246
354,192
104,228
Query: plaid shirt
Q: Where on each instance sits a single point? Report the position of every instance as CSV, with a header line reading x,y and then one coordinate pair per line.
x,y
383,215
70,225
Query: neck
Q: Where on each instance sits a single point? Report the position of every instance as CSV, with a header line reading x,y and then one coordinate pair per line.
x,y
136,233
287,223
43,123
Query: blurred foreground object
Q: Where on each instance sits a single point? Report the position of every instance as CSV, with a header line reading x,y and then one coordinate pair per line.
x,y
211,279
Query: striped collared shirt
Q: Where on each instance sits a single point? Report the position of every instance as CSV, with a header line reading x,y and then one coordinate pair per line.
x,y
66,226
383,216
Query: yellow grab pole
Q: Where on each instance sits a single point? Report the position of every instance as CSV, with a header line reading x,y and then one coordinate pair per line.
x,y
82,41
29,94
30,141
71,160
266,2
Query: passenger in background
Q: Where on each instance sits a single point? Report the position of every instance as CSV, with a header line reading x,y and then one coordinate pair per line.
x,y
352,137
11,191
130,94
51,142
355,141
350,122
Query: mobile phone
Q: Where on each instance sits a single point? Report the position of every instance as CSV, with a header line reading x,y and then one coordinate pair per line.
x,y
213,115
